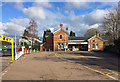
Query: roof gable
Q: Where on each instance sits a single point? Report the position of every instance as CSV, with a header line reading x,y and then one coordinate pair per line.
x,y
60,30
96,37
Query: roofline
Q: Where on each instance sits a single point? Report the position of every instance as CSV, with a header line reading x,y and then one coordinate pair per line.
x,y
97,37
58,30
76,40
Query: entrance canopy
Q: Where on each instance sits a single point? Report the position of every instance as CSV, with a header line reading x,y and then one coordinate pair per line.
x,y
77,42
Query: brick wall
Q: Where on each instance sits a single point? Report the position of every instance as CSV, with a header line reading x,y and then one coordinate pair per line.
x,y
95,41
49,43
57,39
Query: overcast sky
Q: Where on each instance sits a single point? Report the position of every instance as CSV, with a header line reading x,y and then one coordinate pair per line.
x,y
77,16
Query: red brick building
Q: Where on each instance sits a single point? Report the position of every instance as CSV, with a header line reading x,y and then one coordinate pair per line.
x,y
96,42
60,41
56,41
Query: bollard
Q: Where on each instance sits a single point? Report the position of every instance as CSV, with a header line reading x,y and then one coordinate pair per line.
x,y
45,50
49,50
34,50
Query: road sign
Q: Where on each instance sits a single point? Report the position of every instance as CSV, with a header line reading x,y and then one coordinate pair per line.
x,y
8,39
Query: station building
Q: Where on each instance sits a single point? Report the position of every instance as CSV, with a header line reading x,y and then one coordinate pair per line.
x,y
61,41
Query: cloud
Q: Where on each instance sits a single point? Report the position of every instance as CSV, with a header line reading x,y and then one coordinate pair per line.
x,y
42,13
81,23
96,16
19,5
72,4
2,29
14,26
36,13
20,21
46,4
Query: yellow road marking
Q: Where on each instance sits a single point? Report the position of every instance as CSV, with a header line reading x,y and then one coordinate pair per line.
x,y
107,74
56,55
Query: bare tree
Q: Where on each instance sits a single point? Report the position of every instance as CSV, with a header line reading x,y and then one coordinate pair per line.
x,y
91,32
110,24
31,30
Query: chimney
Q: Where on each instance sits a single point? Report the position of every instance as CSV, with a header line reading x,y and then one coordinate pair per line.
x,y
67,29
61,25
97,34
100,35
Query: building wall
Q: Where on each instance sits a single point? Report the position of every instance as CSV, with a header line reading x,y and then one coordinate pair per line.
x,y
57,39
49,43
95,41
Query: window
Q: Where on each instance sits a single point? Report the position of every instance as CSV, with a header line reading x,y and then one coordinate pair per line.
x,y
91,41
97,46
58,45
60,36
88,46
62,46
93,45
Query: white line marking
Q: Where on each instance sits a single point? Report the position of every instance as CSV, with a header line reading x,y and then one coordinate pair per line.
x,y
6,71
101,73
113,72
3,74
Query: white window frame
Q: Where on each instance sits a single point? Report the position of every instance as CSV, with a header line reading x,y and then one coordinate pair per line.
x,y
62,46
90,41
89,46
97,45
58,45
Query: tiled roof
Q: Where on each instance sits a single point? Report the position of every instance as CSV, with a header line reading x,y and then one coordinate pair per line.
x,y
78,38
84,38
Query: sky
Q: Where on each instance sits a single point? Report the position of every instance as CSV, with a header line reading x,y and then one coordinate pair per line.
x,y
77,16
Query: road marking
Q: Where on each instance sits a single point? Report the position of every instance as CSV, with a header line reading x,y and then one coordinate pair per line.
x,y
106,74
101,73
113,72
56,55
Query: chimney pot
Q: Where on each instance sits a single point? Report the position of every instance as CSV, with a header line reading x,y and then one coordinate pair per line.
x,y
66,29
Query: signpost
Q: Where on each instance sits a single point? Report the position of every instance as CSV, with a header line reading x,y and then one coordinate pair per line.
x,y
8,39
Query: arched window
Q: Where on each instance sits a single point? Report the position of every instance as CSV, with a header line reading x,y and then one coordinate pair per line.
x,y
97,45
60,36
58,45
62,46
93,45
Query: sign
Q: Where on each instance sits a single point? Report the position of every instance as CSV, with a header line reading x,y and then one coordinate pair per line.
x,y
29,46
65,46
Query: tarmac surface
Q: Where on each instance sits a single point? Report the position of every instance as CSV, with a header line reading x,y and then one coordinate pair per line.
x,y
5,59
82,65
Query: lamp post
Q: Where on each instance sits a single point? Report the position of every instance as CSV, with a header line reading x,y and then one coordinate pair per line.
x,y
15,43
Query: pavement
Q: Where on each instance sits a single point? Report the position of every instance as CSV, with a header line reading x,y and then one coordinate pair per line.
x,y
5,59
82,65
